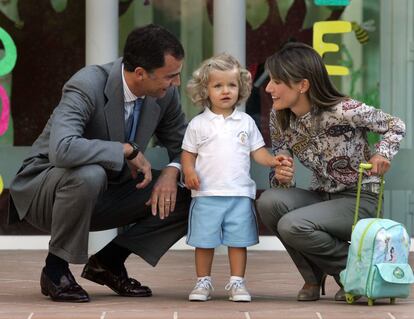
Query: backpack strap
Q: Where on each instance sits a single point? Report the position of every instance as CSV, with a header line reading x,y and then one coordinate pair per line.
x,y
362,167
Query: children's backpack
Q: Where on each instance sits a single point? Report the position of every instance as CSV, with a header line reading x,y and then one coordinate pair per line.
x,y
377,265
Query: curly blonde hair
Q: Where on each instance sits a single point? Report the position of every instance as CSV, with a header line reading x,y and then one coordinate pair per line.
x,y
197,86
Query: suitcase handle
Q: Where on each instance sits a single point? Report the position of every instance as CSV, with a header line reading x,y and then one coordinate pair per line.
x,y
362,167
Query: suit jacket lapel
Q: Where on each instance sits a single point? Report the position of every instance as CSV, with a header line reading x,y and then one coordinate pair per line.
x,y
115,113
114,108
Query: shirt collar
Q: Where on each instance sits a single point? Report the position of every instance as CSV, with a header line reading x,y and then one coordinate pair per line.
x,y
128,95
211,116
304,119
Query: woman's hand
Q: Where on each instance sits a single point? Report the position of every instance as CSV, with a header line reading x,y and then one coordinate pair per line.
x,y
380,165
285,170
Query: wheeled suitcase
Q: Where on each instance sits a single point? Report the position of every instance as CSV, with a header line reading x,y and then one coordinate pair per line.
x,y
377,265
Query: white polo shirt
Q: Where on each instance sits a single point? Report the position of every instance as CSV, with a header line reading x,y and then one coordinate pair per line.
x,y
223,147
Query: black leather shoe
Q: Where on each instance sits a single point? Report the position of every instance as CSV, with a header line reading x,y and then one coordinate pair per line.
x,y
67,290
95,271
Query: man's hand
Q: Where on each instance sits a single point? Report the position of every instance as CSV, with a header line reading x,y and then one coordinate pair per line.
x,y
380,165
164,193
140,164
285,169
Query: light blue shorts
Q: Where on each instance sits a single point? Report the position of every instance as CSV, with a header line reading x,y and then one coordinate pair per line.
x,y
227,220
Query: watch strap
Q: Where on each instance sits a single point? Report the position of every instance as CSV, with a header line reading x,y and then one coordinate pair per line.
x,y
135,151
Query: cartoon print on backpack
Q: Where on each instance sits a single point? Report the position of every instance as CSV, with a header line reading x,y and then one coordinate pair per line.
x,y
393,257
391,249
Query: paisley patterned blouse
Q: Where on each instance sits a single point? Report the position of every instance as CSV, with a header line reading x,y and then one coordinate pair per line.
x,y
333,143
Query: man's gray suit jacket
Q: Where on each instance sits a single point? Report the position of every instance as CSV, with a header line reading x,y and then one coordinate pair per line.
x,y
87,127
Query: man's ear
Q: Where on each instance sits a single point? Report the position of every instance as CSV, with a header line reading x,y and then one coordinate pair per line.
x,y
140,73
304,85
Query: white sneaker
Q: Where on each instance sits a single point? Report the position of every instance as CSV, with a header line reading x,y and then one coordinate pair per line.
x,y
238,291
202,290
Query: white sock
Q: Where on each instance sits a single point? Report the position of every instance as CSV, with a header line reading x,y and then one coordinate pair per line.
x,y
205,277
236,278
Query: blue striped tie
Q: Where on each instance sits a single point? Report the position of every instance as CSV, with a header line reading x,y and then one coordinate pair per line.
x,y
132,121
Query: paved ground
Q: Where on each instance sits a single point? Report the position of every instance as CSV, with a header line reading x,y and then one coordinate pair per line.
x,y
272,280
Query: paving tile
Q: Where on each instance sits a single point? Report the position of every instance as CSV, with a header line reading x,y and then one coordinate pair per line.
x,y
271,277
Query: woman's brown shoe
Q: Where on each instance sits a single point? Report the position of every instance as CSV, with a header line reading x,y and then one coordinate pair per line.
x,y
340,295
312,292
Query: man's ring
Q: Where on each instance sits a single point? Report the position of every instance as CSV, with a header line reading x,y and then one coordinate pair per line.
x,y
167,200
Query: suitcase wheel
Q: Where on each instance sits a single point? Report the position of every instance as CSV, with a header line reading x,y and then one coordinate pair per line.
x,y
349,298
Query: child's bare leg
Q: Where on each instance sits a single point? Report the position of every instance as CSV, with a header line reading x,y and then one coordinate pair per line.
x,y
237,259
203,287
203,261
236,286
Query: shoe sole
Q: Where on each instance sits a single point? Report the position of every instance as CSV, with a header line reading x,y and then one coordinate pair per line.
x,y
240,299
306,300
46,293
198,298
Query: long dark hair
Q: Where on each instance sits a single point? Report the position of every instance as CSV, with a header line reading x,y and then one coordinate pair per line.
x,y
294,62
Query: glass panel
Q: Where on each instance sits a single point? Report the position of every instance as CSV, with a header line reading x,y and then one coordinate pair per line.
x,y
34,85
360,52
45,33
188,20
397,97
270,24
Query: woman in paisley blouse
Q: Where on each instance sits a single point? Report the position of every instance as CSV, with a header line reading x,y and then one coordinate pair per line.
x,y
327,132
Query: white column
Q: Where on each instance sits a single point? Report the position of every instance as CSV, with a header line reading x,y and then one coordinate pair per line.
x,y
230,28
102,32
191,37
230,36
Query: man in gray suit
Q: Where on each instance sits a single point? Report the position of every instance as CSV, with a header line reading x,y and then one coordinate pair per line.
x,y
87,171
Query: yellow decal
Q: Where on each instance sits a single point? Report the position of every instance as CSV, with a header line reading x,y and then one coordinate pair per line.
x,y
325,27
1,185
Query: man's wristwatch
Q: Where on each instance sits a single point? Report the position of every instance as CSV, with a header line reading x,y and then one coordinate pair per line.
x,y
135,151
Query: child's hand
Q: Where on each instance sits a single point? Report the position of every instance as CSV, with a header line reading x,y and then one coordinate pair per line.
x,y
285,169
380,165
283,160
191,180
